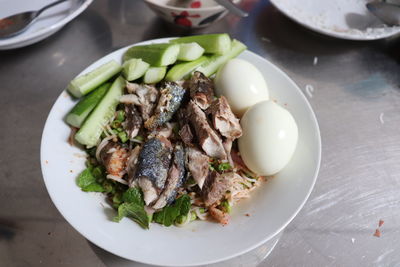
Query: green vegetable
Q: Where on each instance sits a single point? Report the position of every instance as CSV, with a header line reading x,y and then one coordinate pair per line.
x,y
87,182
154,74
123,137
138,138
86,83
135,212
183,70
156,55
81,110
190,51
133,195
91,130
168,214
226,207
134,68
224,166
213,63
120,116
212,43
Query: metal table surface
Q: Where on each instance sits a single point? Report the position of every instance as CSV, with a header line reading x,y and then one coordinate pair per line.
x,y
356,99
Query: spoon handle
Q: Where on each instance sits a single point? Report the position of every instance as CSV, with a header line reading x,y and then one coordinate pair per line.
x,y
48,6
232,8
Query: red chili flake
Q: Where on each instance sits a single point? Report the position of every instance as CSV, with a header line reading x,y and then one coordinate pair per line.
x,y
195,4
377,233
381,222
248,215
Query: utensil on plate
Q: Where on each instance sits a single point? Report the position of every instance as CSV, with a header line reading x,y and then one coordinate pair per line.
x,y
15,24
386,12
231,7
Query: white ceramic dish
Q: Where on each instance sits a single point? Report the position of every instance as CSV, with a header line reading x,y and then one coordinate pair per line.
x,y
340,18
48,22
271,207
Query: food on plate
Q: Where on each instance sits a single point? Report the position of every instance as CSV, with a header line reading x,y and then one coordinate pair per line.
x,y
161,144
242,84
269,138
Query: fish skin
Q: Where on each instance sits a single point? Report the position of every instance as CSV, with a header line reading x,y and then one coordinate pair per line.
x,y
176,178
133,122
169,102
153,165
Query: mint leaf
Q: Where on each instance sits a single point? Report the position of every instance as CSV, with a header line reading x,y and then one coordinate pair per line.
x,y
168,215
135,212
133,195
87,182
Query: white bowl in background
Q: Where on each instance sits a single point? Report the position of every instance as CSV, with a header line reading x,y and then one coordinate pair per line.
x,y
271,207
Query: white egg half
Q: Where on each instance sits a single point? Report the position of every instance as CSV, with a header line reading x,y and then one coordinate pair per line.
x,y
269,138
242,84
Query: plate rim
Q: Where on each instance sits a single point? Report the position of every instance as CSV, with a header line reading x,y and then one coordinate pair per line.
x,y
255,245
18,39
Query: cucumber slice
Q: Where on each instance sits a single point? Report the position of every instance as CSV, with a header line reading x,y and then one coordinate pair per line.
x,y
190,51
81,110
86,83
212,43
182,70
134,68
213,63
156,55
90,132
154,74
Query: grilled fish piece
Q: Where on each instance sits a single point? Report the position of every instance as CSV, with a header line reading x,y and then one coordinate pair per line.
x,y
197,164
215,187
218,215
186,134
114,158
169,102
131,165
224,120
142,95
208,139
201,90
152,167
176,177
133,121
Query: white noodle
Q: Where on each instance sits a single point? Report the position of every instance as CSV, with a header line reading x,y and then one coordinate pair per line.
x,y
117,179
102,144
199,215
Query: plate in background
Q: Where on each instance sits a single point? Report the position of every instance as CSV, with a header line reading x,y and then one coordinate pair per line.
x,y
271,207
49,22
343,19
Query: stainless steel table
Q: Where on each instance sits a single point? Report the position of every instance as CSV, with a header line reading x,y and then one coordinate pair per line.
x,y
356,98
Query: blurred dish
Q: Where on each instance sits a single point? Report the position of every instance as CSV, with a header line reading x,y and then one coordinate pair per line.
x,y
49,22
343,19
199,14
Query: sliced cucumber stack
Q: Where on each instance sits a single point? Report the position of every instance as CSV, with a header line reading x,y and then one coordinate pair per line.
x,y
183,70
86,83
81,110
190,51
213,63
134,68
212,43
156,55
90,132
154,74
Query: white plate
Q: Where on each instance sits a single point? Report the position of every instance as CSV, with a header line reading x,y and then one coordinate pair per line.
x,y
339,18
271,207
49,22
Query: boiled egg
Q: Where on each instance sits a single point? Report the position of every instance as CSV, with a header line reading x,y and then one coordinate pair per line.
x,y
242,84
269,138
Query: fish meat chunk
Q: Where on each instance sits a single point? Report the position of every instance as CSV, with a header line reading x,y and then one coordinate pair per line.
x,y
201,90
208,139
198,165
114,157
224,120
216,186
144,96
152,167
169,102
176,178
133,122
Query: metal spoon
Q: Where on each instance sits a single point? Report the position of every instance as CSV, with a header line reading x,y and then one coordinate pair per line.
x,y
387,13
18,23
232,8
